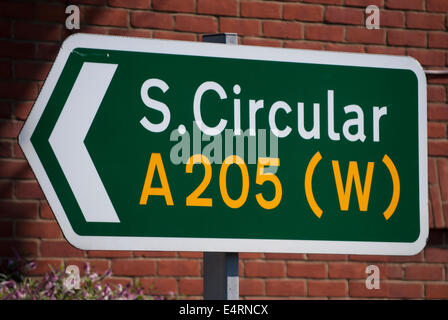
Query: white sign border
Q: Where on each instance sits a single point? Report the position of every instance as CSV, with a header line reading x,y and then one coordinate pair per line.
x,y
239,52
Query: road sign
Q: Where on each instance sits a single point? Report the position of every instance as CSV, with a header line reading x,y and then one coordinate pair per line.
x,y
143,144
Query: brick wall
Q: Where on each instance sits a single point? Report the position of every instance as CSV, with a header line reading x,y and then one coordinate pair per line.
x,y
30,36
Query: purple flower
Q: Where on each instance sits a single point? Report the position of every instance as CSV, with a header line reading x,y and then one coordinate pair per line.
x,y
31,266
87,268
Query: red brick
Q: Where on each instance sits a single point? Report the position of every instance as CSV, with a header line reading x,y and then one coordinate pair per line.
x,y
45,211
346,270
438,40
5,69
38,229
196,255
5,29
437,5
364,3
286,30
325,1
264,269
390,18
155,254
10,129
428,57
344,15
261,42
192,287
285,288
6,189
196,24
419,20
59,249
131,32
436,291
21,90
173,5
142,19
17,151
442,166
250,255
16,50
179,268
406,38
285,256
436,130
221,8
391,271
26,248
437,111
432,174
436,205
18,210
387,289
251,287
344,47
95,2
303,12
306,270
405,290
244,27
160,286
131,4
304,45
436,255
15,169
261,9
436,93
363,258
109,254
324,33
105,17
175,35
326,257
363,35
6,229
336,288
430,216
445,215
424,272
415,258
127,267
405,4
47,51
37,31
16,9
5,110
22,109
28,190
438,148
51,12
43,266
5,149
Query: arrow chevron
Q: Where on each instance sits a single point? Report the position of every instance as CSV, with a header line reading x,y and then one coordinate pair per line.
x,y
67,141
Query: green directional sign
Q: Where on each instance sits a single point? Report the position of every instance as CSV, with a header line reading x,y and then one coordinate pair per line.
x,y
144,144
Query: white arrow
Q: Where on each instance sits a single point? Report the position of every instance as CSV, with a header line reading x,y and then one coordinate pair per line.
x,y
67,141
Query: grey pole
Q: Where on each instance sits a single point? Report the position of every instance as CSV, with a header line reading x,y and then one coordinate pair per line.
x,y
221,281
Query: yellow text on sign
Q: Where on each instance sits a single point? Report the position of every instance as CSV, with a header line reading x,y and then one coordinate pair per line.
x,y
362,192
194,199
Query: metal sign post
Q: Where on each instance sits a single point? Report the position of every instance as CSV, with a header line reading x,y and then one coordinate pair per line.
x,y
221,281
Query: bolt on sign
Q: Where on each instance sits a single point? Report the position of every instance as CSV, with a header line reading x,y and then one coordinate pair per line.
x,y
144,144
